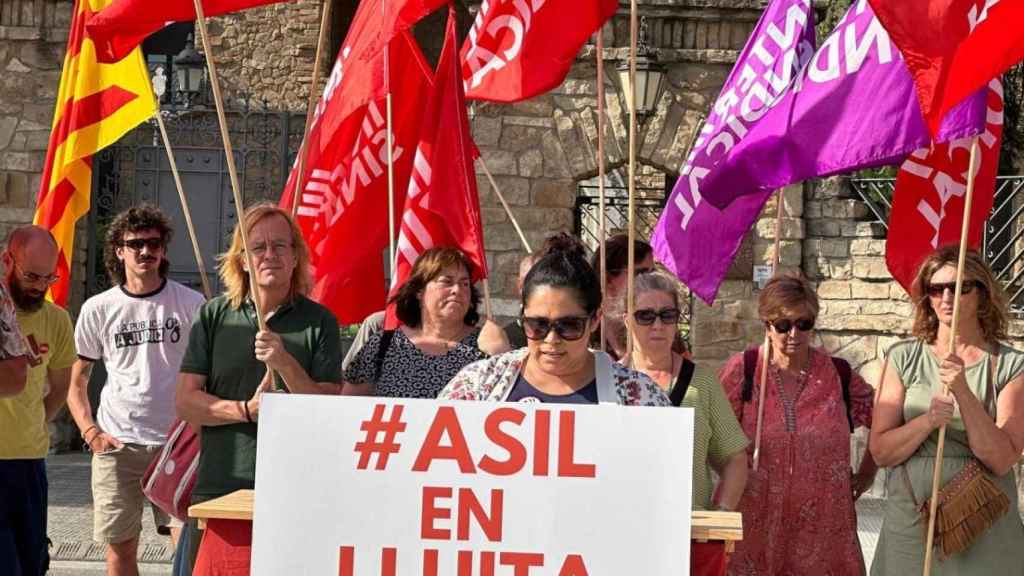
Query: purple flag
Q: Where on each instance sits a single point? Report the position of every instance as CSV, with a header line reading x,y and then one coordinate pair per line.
x,y
852,106
693,239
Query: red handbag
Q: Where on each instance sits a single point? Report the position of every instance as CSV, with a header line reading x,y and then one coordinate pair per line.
x,y
171,476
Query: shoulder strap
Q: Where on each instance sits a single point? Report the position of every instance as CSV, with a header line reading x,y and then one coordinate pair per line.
x,y
749,368
682,382
845,374
378,362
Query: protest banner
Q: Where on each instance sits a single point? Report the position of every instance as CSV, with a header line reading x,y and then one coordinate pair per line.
x,y
373,486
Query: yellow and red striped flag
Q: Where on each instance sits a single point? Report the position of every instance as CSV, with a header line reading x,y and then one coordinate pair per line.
x,y
97,104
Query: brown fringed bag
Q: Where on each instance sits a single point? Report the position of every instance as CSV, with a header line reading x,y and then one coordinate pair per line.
x,y
969,504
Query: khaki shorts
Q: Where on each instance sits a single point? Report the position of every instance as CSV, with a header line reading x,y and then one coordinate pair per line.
x,y
117,496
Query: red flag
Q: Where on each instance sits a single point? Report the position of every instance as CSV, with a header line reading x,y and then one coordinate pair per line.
x,y
953,47
518,49
122,26
442,207
344,204
928,207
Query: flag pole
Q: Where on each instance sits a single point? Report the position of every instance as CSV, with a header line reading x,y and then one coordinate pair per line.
x,y
392,263
325,17
230,156
501,197
964,230
766,358
487,300
601,233
184,206
631,235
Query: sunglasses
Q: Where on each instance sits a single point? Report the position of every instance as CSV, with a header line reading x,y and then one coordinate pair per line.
x,y
784,325
647,316
136,244
937,290
569,328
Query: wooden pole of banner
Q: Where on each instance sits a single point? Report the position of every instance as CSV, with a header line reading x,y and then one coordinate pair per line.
x,y
314,86
601,217
230,155
487,300
504,204
766,357
392,262
631,211
972,171
184,206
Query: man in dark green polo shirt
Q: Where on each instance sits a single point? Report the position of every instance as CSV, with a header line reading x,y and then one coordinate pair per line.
x,y
223,372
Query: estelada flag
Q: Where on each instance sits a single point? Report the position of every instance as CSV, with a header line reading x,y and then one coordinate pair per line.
x,y
97,103
517,49
953,47
123,25
442,207
928,204
343,208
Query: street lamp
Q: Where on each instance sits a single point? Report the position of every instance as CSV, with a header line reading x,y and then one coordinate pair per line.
x,y
190,72
650,77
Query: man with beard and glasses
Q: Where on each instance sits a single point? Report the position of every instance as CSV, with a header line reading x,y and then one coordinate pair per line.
x,y
30,261
139,329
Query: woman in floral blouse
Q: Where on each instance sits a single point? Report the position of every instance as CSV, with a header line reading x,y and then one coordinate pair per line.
x,y
561,303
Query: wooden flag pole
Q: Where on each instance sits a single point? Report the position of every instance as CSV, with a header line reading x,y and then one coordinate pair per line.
x,y
230,156
392,262
487,300
501,197
964,230
601,218
184,206
631,213
314,85
766,357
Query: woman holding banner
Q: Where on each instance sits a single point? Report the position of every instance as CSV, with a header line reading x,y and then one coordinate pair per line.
x,y
800,499
437,307
561,306
984,437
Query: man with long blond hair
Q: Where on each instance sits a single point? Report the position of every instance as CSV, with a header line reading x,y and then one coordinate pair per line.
x,y
224,370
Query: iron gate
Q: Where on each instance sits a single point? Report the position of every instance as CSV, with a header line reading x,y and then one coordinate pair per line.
x,y
136,170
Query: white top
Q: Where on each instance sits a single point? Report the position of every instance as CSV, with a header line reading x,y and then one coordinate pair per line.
x,y
141,340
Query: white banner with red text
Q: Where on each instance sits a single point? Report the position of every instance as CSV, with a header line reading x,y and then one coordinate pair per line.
x,y
386,487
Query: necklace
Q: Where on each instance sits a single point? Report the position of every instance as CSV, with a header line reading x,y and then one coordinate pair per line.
x,y
789,401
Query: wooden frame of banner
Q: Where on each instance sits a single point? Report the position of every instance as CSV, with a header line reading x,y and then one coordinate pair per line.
x,y
766,357
601,232
230,156
314,84
184,205
972,172
631,210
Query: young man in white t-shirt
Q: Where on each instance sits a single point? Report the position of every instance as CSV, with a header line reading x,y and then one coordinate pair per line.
x,y
139,329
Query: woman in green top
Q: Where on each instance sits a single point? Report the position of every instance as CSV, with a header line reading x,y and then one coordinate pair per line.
x,y
718,439
986,381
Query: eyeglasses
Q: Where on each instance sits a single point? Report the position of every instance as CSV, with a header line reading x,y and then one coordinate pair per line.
x,y
33,278
279,247
784,325
137,244
569,328
647,316
937,290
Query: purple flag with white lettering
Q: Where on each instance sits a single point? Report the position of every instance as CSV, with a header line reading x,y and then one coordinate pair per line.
x,y
851,106
693,239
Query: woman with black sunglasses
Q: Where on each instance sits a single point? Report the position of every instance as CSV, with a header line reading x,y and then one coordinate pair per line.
x,y
800,500
561,307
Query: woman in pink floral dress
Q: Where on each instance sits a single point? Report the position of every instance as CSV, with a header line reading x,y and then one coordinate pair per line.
x,y
798,507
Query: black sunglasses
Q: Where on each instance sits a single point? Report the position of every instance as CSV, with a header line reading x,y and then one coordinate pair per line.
x,y
784,325
137,244
647,316
937,290
569,328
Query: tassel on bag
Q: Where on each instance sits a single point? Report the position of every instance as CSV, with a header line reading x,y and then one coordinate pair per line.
x,y
968,506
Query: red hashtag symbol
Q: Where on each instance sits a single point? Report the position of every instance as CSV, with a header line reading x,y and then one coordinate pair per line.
x,y
373,427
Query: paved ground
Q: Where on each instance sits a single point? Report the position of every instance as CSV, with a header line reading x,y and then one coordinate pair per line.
x,y
75,554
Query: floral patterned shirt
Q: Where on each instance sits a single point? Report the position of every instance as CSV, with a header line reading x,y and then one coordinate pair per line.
x,y
12,344
493,379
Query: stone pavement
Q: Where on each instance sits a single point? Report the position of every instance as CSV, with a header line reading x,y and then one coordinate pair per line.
x,y
75,554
